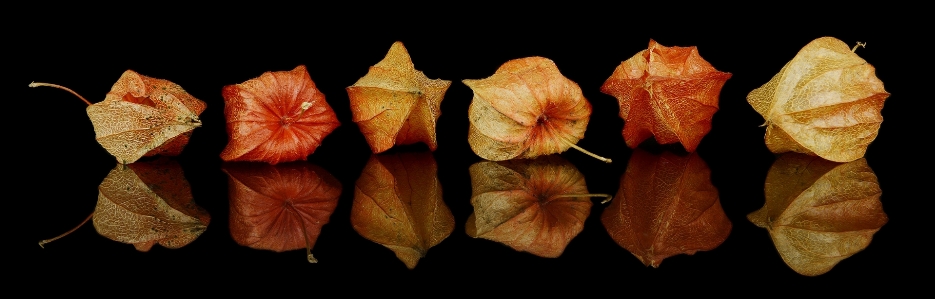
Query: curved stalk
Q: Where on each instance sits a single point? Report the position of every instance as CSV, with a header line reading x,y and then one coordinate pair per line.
x,y
859,44
47,241
37,84
308,248
586,152
607,197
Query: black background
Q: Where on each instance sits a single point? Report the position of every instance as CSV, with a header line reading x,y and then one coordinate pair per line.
x,y
206,50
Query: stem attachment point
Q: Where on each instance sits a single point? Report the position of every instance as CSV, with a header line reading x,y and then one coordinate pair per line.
x,y
859,44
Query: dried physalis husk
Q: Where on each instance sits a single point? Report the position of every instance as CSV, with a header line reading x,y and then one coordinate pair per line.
x,y
142,116
396,104
667,92
819,212
824,102
398,204
537,206
666,206
525,110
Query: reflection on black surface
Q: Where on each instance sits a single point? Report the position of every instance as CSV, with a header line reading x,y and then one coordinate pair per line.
x,y
666,206
281,207
536,206
819,212
148,203
67,165
398,204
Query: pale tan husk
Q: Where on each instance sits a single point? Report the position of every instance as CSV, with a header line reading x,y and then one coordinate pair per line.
x,y
525,110
825,102
397,104
819,212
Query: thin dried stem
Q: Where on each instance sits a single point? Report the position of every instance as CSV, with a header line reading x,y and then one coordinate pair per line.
x,y
37,84
308,247
859,44
297,115
607,197
47,241
586,151
305,106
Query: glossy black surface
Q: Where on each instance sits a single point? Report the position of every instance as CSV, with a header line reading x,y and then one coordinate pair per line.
x,y
88,54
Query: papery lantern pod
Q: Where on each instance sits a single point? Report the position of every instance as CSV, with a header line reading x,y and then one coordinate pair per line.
x,y
819,212
398,204
396,104
280,207
667,92
145,204
142,116
537,206
525,110
277,117
666,206
826,101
